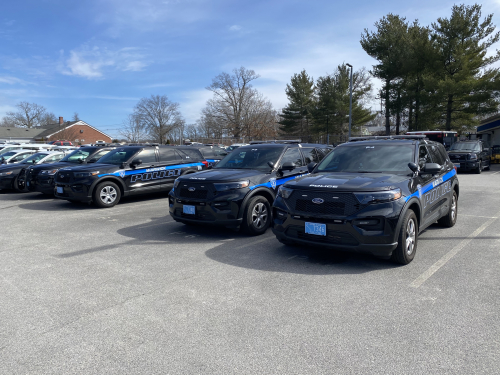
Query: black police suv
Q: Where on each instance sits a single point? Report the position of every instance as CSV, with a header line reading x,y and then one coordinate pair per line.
x,y
372,194
470,156
41,177
10,173
127,170
240,189
212,154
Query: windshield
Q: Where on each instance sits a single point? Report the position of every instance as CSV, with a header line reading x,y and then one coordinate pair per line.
x,y
465,146
35,158
8,154
251,158
372,158
118,156
6,149
76,156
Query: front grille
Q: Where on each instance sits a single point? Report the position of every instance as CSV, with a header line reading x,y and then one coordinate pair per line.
x,y
332,237
63,177
201,190
458,157
340,204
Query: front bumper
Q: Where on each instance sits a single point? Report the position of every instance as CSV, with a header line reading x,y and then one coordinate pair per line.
x,y
72,191
468,165
350,233
43,184
222,210
6,182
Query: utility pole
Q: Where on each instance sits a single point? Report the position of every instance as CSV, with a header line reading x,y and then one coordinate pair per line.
x,y
350,102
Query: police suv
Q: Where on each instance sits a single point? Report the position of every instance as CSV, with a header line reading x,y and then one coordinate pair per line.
x,y
127,170
241,188
372,194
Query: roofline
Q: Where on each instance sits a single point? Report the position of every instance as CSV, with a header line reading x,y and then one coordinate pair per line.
x,y
81,122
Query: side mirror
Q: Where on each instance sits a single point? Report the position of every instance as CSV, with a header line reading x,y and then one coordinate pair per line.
x,y
288,166
311,166
33,161
135,163
123,165
432,168
271,164
93,160
413,167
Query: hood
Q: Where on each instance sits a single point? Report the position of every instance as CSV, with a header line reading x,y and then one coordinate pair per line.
x,y
461,152
215,175
43,167
348,181
89,167
12,167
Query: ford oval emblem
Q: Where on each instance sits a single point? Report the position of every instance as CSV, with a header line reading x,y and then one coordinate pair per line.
x,y
317,200
191,189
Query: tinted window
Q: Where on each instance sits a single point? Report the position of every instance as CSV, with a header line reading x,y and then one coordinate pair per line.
x,y
118,156
33,158
435,154
293,156
190,153
168,154
76,156
147,156
310,155
465,146
251,158
443,153
372,158
207,153
100,154
423,156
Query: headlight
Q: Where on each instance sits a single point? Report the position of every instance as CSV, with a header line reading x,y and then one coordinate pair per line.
x,y
284,192
51,172
176,182
378,197
231,185
5,173
473,157
85,174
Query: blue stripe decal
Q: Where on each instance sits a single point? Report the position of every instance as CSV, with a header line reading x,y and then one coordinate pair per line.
x,y
421,191
123,173
277,182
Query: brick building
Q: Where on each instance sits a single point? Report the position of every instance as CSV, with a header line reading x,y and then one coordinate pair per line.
x,y
78,132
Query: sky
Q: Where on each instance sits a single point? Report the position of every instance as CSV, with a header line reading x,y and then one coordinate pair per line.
x,y
100,57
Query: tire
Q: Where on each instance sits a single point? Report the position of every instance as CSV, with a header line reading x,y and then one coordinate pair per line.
x,y
407,239
488,167
479,168
451,217
106,194
257,216
15,185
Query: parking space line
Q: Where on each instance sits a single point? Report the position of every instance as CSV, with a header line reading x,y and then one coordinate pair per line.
x,y
495,173
253,243
450,254
484,217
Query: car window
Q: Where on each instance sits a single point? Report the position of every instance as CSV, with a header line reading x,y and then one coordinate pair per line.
x,y
147,155
310,155
100,154
435,154
168,154
207,153
444,154
190,153
423,156
293,155
257,157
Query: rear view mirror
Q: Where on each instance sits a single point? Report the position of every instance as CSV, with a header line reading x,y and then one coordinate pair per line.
x,y
432,168
311,166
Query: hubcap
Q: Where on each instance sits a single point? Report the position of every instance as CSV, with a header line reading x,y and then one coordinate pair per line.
x,y
453,208
259,215
410,236
108,194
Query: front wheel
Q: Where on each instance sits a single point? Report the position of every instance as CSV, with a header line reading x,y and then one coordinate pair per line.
x,y
257,217
106,194
479,168
407,239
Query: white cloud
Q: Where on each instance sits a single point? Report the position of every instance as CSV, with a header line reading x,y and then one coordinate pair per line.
x,y
93,63
192,104
13,81
235,28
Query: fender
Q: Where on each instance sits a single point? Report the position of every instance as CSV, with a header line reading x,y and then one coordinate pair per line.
x,y
403,213
116,180
253,193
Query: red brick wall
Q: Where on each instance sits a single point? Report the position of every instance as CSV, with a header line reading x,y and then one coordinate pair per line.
x,y
80,134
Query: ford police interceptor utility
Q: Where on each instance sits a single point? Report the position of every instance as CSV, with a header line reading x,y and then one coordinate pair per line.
x,y
370,195
41,177
240,189
127,170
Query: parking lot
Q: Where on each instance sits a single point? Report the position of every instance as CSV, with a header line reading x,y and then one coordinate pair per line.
x,y
127,290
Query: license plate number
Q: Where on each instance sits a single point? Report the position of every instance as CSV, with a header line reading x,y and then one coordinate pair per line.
x,y
190,210
457,165
60,190
316,229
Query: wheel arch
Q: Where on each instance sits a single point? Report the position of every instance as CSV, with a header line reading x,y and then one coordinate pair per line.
x,y
117,181
414,205
265,192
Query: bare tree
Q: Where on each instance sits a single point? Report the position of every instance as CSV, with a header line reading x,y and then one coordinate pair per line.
x,y
29,115
133,130
192,131
48,118
231,94
76,117
159,116
7,122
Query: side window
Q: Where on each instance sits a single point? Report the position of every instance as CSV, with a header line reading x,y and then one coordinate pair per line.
x,y
20,157
293,156
100,154
193,154
423,156
443,153
168,154
147,156
435,154
310,155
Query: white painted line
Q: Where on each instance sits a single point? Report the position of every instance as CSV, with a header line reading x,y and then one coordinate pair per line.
x,y
295,256
495,173
484,217
441,262
253,243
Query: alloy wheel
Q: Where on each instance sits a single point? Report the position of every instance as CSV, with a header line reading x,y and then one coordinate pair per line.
x,y
108,194
259,215
410,236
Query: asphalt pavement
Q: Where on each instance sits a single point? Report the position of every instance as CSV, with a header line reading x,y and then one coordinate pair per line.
x,y
127,290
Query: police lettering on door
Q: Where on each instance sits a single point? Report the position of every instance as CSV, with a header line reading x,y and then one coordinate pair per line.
x,y
155,174
436,193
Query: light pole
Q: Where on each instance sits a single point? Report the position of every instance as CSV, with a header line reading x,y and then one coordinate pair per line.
x,y
350,102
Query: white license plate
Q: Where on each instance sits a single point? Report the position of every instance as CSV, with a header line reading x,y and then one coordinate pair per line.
x,y
457,165
190,210
60,190
316,229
